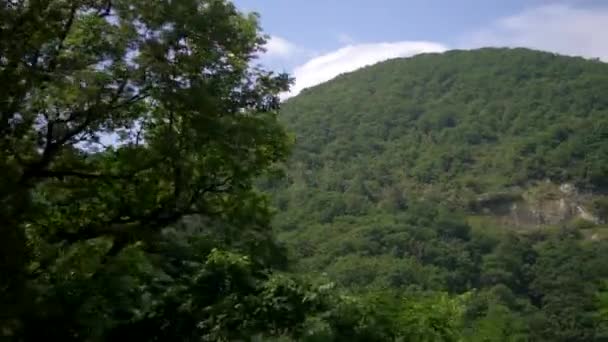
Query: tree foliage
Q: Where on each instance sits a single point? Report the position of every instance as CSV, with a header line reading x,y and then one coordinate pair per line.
x,y
120,119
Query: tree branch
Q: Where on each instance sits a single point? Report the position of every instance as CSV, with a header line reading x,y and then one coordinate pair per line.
x,y
138,135
76,174
62,36
216,188
106,11
132,229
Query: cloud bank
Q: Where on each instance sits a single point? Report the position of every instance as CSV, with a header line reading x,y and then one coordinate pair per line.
x,y
556,28
277,47
351,57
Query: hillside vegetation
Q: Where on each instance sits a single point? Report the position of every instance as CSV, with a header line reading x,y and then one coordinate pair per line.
x,y
454,124
164,235
390,163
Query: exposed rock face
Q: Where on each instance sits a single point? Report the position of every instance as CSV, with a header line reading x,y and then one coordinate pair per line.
x,y
548,204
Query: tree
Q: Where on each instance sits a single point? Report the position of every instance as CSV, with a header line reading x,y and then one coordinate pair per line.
x,y
565,285
602,310
119,119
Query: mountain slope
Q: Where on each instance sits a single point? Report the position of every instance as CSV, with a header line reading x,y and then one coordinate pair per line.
x,y
456,126
482,173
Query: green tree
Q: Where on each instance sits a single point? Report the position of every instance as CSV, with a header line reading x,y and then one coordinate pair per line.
x,y
499,324
602,311
118,119
564,288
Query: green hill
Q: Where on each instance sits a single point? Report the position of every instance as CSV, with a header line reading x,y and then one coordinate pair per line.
x,y
482,171
456,126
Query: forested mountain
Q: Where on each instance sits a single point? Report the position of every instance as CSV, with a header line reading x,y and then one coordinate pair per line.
x,y
453,197
455,124
476,172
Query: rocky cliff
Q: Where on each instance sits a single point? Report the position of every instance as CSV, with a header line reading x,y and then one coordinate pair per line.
x,y
543,204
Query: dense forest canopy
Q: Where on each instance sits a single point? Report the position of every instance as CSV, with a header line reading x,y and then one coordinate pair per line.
x,y
392,161
141,158
457,123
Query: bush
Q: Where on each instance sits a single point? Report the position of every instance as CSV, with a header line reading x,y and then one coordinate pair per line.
x,y
581,223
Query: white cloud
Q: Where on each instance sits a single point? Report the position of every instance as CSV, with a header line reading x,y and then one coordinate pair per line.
x,y
557,28
349,58
277,47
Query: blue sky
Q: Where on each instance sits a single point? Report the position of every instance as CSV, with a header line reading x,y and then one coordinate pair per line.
x,y
318,39
320,23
